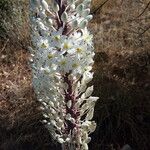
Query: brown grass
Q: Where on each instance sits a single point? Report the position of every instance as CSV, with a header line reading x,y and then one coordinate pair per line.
x,y
122,78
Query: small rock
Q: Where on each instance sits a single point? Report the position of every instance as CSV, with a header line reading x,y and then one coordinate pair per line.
x,y
126,147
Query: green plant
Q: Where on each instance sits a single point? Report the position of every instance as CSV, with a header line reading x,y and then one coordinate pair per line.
x,y
5,15
14,22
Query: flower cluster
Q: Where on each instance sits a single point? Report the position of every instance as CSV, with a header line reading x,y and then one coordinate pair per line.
x,y
62,59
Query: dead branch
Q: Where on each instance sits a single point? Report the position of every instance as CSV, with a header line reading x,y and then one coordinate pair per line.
x,y
99,7
144,31
143,10
4,46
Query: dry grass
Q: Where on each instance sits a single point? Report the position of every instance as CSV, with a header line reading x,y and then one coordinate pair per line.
x,y
122,71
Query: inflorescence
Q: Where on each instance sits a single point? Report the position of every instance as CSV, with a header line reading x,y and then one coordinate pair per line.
x,y
62,59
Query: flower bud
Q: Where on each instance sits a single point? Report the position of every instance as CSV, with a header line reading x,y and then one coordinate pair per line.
x,y
72,120
83,24
86,2
94,99
80,8
88,140
55,6
36,2
75,24
90,114
79,140
42,14
50,22
30,49
45,5
68,139
83,88
72,6
87,77
89,91
60,123
45,116
68,117
89,17
44,121
53,111
92,126
70,2
84,146
44,104
64,17
51,103
84,135
53,122
41,108
60,140
31,60
83,109
69,104
86,12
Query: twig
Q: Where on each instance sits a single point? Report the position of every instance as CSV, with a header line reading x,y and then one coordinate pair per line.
x,y
99,7
4,46
144,31
143,10
137,19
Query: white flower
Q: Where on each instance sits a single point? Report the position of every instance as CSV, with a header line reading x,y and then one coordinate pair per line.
x,y
77,65
67,44
56,38
42,43
62,62
87,36
79,49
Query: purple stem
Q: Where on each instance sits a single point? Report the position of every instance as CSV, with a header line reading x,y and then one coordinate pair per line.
x,y
69,95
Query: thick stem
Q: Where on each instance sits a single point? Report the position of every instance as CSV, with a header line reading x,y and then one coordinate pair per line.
x,y
61,10
74,112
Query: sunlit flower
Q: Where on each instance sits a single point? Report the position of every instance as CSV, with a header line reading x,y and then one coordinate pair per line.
x,y
62,57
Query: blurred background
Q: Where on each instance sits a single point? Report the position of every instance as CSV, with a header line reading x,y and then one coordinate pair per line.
x,y
121,30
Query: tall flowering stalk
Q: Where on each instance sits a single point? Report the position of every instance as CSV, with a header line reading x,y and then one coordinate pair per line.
x,y
62,61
